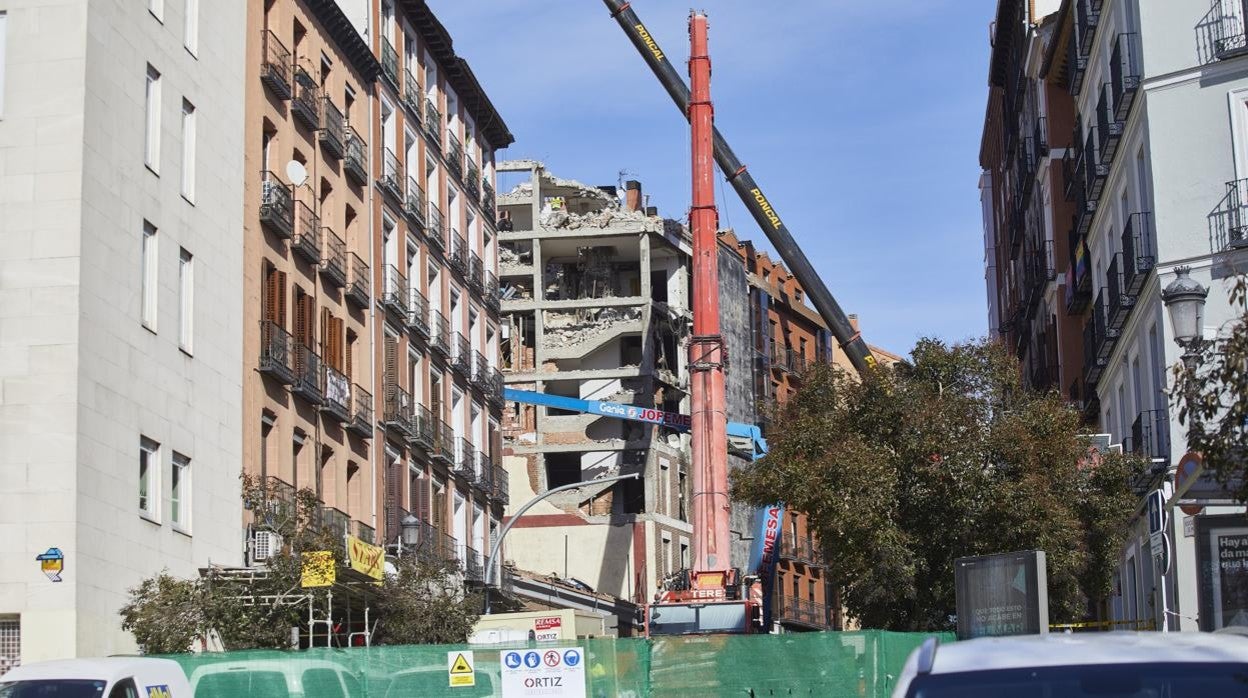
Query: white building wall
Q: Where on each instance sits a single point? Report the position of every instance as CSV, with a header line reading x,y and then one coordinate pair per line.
x,y
82,378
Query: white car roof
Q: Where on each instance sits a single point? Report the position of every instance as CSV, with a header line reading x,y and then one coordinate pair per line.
x,y
100,669
1068,649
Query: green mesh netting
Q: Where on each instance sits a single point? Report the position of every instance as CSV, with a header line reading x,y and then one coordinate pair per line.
x,y
811,664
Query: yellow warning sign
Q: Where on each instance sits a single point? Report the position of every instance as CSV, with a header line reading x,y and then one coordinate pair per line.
x,y
459,668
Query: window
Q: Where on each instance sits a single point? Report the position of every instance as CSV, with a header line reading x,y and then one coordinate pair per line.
x,y
186,300
157,8
3,19
151,151
149,477
180,492
149,276
188,151
10,640
190,27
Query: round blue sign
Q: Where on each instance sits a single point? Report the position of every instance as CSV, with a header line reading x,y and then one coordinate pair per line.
x,y
531,660
512,659
571,657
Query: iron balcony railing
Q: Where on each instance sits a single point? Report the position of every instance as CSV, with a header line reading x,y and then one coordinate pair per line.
x,y
480,370
1228,28
454,155
1085,210
392,178
1108,125
306,105
414,203
277,211
435,230
333,521
1040,136
1120,302
438,547
787,609
306,242
275,65
1087,17
355,163
307,367
439,333
333,134
476,272
488,200
394,294
461,354
361,411
474,567
358,282
492,299
413,98
1078,278
277,504
483,474
364,532
1150,435
1076,65
472,182
276,351
1124,73
443,442
418,312
1234,231
1139,253
494,393
397,411
389,63
459,253
333,258
433,123
423,427
502,486
337,394
1043,376
1096,169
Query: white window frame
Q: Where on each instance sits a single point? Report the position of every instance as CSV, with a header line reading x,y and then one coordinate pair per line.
x,y
180,493
190,28
157,8
151,124
186,301
188,150
4,19
150,276
149,479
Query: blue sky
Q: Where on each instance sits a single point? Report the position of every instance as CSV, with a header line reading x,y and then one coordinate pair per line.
x,y
860,120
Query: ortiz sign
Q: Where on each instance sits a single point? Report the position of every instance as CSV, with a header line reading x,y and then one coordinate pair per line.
x,y
365,558
547,629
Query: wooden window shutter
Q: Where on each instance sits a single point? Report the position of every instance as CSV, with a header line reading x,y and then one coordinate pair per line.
x,y
337,338
270,295
393,487
349,365
325,336
300,318
392,360
275,298
422,501
309,319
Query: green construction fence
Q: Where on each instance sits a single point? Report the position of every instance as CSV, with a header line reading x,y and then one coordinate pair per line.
x,y
853,664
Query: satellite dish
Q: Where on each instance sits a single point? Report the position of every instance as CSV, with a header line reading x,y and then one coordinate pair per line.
x,y
296,172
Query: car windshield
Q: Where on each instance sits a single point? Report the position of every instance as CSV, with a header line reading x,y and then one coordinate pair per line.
x,y
52,688
690,619
1162,680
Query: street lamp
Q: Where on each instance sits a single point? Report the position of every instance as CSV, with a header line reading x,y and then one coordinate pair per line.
x,y
1185,302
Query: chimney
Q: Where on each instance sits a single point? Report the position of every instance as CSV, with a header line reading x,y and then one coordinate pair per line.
x,y
632,195
853,321
652,210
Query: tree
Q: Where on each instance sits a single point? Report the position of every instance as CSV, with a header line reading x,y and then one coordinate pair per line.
x,y
1211,390
943,458
256,608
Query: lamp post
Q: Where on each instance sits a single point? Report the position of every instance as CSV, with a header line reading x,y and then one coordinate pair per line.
x,y
498,541
1184,299
409,533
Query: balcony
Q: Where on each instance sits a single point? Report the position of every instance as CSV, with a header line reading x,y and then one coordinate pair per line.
x,y
333,521
307,383
461,355
306,105
492,300
418,313
435,231
355,163
277,211
1076,66
483,473
412,97
476,272
488,200
803,612
1124,72
802,550
435,546
337,394
494,394
1150,436
414,203
1120,302
423,427
1139,253
1085,210
443,442
1108,125
306,242
472,183
1087,17
1098,342
1043,376
480,374
395,294
364,532
275,65
392,178
1096,168
358,286
361,412
454,156
389,63
1040,137
1232,218
1084,399
397,411
333,134
1228,25
433,123
459,253
464,466
276,355
474,567
333,259
502,486
787,360
439,333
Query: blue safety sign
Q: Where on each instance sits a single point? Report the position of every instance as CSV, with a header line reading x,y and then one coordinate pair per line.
x,y
512,659
532,660
572,657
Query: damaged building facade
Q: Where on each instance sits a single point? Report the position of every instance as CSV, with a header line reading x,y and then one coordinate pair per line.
x,y
595,305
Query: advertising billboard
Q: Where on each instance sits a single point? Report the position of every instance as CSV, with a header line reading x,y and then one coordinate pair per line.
x,y
1002,594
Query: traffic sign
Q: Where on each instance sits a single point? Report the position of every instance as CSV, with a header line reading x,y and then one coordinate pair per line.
x,y
1157,512
459,668
554,673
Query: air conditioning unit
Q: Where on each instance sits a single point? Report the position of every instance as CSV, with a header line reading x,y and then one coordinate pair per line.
x,y
1101,442
264,545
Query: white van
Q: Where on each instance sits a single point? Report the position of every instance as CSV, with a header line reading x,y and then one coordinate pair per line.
x,y
110,677
289,676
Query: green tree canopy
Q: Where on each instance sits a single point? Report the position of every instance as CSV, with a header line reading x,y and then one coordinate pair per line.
x,y
939,459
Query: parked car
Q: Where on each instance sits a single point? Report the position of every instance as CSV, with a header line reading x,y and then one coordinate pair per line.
x,y
282,677
1071,665
111,677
